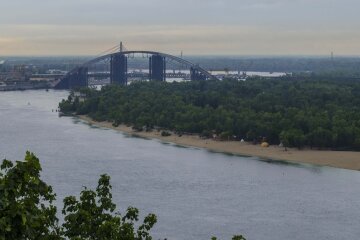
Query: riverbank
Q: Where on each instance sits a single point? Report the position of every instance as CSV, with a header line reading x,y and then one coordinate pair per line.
x,y
346,160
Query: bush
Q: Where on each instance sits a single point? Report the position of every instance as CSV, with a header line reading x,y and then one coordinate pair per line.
x,y
206,134
165,134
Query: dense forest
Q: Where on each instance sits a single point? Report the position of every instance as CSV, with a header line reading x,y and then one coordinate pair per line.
x,y
309,111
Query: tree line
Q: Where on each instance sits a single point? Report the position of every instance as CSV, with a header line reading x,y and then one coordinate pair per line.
x,y
319,112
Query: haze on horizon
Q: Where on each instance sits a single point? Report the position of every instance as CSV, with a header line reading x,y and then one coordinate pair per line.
x,y
197,27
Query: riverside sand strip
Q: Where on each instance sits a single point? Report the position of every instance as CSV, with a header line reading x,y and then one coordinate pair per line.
x,y
339,159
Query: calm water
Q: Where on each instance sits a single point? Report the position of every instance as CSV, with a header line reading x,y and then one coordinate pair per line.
x,y
195,193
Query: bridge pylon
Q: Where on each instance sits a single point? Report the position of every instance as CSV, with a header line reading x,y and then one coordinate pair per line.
x,y
119,66
157,68
118,69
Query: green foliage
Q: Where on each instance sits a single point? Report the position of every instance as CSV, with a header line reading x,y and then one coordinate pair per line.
x,y
324,111
165,133
293,138
67,106
320,137
26,209
225,136
236,237
93,217
206,134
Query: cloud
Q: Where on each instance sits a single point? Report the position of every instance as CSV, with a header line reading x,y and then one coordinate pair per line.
x,y
195,26
194,39
154,12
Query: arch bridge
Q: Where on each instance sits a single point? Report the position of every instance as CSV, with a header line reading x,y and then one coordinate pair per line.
x,y
118,72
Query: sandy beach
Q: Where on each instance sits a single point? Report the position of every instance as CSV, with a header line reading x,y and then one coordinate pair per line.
x,y
346,160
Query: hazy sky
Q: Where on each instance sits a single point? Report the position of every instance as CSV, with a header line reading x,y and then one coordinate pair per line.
x,y
238,27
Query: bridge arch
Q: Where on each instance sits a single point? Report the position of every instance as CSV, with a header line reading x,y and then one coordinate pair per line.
x,y
78,77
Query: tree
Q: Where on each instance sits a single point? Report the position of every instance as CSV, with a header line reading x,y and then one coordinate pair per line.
x,y
357,143
256,108
26,202
236,237
320,138
292,138
93,217
284,138
26,210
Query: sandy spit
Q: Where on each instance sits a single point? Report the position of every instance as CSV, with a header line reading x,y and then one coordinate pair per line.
x,y
337,159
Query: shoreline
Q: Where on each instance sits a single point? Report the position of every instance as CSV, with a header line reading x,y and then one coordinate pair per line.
x,y
345,160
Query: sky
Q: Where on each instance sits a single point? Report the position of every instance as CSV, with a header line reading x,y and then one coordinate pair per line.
x,y
196,27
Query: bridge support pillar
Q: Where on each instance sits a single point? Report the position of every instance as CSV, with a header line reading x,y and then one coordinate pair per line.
x,y
118,70
157,68
195,75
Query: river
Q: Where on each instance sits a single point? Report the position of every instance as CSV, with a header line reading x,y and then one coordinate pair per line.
x,y
195,193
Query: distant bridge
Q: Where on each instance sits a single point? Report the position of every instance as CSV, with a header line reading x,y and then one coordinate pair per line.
x,y
79,76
